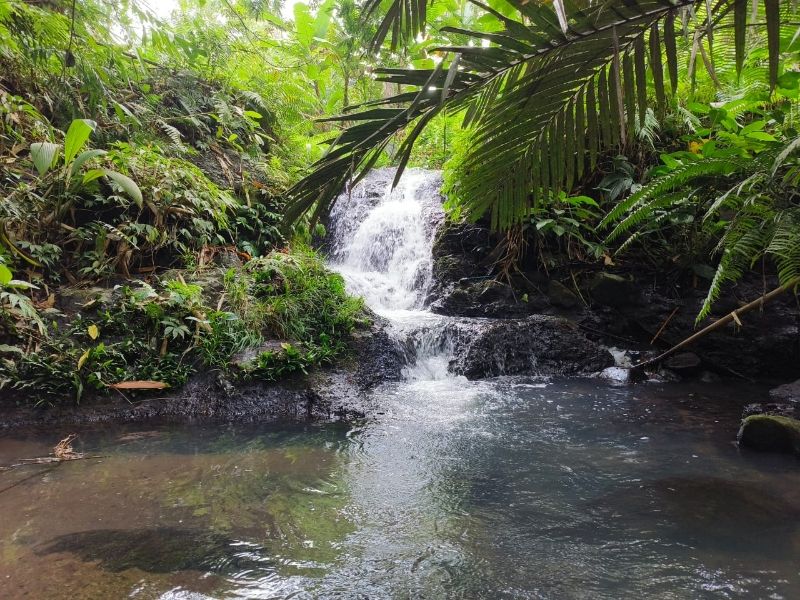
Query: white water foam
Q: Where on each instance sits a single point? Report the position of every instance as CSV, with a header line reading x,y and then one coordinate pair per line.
x,y
381,244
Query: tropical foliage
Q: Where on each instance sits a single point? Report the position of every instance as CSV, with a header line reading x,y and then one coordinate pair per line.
x,y
547,90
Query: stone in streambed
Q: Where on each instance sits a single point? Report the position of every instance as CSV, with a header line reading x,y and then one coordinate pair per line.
x,y
538,345
617,375
684,363
770,433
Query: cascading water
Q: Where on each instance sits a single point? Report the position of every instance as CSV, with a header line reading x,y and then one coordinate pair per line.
x,y
381,244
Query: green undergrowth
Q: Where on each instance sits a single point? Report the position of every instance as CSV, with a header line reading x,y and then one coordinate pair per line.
x,y
271,317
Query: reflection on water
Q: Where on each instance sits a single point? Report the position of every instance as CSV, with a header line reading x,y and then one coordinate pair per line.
x,y
496,489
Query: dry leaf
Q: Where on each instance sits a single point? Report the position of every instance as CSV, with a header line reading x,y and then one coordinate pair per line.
x,y
49,302
139,385
93,331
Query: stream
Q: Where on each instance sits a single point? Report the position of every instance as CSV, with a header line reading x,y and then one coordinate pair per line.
x,y
513,487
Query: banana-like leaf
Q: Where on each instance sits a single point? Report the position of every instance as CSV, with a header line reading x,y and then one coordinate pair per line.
x,y
77,135
127,184
82,158
44,155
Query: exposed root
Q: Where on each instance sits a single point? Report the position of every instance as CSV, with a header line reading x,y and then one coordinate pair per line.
x,y
511,250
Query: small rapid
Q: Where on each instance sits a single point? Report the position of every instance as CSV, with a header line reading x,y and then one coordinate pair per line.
x,y
381,242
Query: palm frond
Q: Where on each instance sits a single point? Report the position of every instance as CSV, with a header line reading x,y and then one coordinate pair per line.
x,y
542,101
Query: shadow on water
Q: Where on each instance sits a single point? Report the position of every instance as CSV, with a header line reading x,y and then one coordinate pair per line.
x,y
161,550
743,517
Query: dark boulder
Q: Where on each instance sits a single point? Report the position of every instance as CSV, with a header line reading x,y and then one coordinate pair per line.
x,y
538,345
610,289
487,298
684,363
560,295
770,433
766,345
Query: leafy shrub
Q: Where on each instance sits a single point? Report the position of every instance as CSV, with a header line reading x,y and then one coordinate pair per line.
x,y
166,332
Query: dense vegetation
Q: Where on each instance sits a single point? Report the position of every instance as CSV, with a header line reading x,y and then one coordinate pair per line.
x,y
143,167
175,171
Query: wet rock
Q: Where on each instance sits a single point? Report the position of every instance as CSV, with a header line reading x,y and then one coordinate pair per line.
x,y
617,375
560,295
538,345
788,392
781,409
75,300
376,356
487,298
710,377
335,393
770,433
612,290
766,345
684,363
246,357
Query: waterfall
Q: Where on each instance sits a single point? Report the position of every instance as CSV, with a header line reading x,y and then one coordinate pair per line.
x,y
381,241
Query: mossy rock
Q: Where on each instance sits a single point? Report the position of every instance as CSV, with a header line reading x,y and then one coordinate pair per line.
x,y
770,433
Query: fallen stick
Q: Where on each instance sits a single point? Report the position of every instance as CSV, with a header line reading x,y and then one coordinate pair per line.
x,y
663,325
732,316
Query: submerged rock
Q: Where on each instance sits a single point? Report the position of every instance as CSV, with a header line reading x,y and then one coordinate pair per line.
x,y
770,433
538,345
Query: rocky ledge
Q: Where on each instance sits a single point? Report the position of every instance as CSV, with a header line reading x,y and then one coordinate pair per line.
x,y
620,305
327,394
537,345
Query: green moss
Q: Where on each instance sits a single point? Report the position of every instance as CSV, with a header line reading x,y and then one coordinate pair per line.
x,y
772,433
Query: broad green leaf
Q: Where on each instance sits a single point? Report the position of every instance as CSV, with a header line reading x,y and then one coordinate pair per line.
x,y
43,155
77,134
127,184
81,159
761,136
5,275
303,23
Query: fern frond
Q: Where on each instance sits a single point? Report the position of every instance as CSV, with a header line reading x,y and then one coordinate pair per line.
x,y
716,167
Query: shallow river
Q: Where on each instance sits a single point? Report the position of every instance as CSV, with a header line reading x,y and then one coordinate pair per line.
x,y
504,488
512,488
